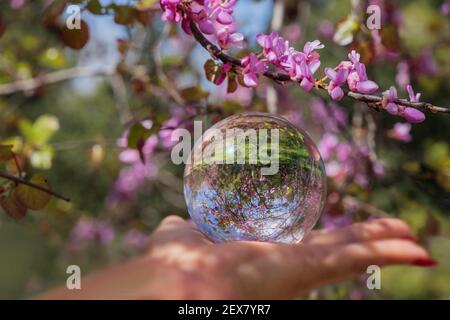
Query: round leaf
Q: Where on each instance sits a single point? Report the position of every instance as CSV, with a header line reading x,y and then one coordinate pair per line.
x,y
33,198
76,39
12,206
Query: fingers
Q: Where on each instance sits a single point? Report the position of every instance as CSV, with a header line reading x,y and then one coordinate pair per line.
x,y
176,229
354,258
334,263
361,232
287,271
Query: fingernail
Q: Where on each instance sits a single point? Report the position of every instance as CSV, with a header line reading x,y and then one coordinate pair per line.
x,y
425,262
411,238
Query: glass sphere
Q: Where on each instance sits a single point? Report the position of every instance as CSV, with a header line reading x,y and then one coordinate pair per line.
x,y
255,177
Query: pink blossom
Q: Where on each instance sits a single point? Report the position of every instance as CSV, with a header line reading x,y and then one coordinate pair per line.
x,y
401,132
300,66
275,47
413,115
327,145
227,37
88,231
337,78
253,68
357,79
412,96
223,74
171,13
389,98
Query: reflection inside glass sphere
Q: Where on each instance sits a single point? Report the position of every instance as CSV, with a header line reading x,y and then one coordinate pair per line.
x,y
256,177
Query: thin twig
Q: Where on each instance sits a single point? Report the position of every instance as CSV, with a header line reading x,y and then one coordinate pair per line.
x,y
32,185
53,77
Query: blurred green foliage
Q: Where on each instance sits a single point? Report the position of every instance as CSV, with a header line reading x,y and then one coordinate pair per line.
x,y
71,136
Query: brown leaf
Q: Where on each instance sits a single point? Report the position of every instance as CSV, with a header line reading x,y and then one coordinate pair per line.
x,y
12,206
232,83
76,38
124,15
210,68
53,11
33,198
144,17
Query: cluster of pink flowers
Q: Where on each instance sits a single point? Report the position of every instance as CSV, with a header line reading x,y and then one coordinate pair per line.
x,y
136,172
412,115
300,66
213,17
89,231
17,4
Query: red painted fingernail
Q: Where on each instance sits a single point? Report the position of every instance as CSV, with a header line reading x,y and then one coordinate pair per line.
x,y
411,238
425,262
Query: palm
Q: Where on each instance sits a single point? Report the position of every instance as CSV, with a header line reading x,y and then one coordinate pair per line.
x,y
266,270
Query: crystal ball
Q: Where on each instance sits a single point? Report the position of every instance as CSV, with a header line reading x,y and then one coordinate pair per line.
x,y
255,177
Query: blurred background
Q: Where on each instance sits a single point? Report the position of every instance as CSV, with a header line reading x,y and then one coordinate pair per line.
x,y
93,112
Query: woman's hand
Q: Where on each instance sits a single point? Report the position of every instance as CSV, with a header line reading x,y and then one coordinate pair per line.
x,y
181,263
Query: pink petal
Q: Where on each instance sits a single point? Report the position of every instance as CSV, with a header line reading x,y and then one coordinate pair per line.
x,y
413,115
330,73
206,26
306,84
366,87
224,17
250,80
337,94
263,41
392,108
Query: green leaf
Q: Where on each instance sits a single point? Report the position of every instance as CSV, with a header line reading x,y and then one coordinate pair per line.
x,y
41,131
42,157
95,7
33,198
145,4
138,134
12,206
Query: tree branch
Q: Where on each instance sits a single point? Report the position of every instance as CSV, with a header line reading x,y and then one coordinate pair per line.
x,y
50,78
371,100
32,185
